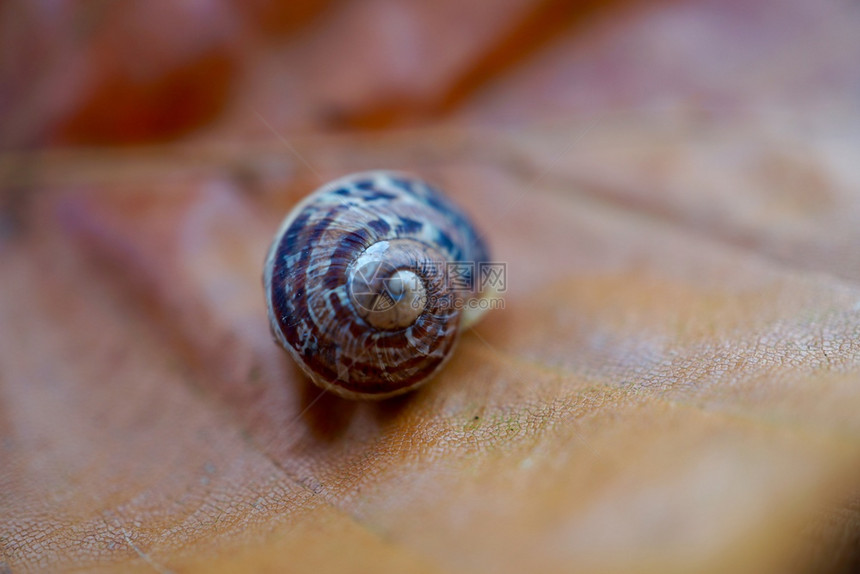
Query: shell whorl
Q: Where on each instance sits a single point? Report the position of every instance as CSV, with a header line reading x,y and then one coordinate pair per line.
x,y
356,283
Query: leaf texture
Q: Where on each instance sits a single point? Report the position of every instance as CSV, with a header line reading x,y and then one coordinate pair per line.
x,y
651,397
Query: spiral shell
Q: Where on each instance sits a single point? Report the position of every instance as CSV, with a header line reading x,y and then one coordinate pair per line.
x,y
357,283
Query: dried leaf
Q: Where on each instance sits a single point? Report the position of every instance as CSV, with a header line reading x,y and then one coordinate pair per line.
x,y
650,398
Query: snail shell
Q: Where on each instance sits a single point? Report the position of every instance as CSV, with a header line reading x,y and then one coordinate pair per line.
x,y
357,283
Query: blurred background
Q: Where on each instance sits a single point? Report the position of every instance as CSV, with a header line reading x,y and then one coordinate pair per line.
x,y
109,73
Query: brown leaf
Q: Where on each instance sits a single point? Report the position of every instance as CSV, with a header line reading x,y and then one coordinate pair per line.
x,y
101,73
729,58
650,399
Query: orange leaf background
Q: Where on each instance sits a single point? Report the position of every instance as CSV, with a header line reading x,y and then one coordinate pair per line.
x,y
672,385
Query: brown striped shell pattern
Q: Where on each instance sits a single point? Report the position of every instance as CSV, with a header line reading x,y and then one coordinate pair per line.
x,y
359,283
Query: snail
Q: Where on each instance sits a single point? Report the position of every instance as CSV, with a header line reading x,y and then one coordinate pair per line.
x,y
369,282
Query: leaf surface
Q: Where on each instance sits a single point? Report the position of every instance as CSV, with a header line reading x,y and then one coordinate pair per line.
x,y
651,397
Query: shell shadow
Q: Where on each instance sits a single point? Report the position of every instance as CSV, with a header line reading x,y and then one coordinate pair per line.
x,y
328,416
